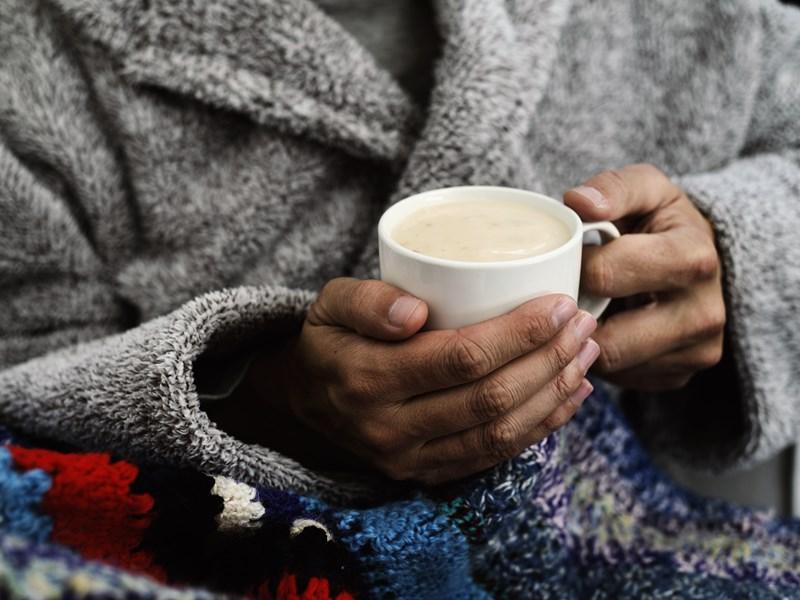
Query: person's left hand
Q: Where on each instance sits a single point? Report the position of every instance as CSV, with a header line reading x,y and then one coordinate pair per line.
x,y
668,269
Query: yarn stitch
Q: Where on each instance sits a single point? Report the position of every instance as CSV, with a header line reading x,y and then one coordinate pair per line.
x,y
20,497
582,514
240,510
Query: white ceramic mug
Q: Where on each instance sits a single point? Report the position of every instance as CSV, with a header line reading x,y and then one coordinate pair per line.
x,y
460,293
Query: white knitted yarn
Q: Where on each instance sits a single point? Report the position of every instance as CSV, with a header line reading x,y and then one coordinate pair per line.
x,y
241,509
300,524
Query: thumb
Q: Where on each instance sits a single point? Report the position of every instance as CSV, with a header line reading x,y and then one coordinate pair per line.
x,y
370,308
631,191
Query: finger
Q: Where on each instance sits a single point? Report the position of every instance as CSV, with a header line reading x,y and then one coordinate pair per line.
x,y
640,335
647,378
460,408
672,370
458,468
640,263
637,336
568,409
695,358
370,308
612,195
499,440
435,360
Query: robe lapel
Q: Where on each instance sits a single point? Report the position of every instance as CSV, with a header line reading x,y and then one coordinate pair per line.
x,y
288,65
494,68
282,62
493,72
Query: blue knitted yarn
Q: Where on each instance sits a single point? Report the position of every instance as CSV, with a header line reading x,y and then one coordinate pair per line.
x,y
583,514
408,550
586,514
20,496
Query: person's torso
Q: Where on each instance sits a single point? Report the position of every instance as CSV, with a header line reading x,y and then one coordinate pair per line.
x,y
258,142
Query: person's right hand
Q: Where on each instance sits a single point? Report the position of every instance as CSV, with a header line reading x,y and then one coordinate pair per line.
x,y
437,405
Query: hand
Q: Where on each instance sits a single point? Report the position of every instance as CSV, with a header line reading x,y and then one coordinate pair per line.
x,y
667,267
436,405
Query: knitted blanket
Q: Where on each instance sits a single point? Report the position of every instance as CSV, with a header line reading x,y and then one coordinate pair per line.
x,y
584,514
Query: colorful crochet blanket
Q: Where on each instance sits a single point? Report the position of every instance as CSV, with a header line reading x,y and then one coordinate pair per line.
x,y
584,514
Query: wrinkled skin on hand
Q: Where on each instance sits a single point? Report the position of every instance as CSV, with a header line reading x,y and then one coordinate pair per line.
x,y
667,269
426,406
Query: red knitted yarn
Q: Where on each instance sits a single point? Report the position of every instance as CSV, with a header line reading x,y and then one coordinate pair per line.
x,y
92,508
317,589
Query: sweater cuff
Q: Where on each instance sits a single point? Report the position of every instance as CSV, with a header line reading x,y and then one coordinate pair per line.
x,y
744,410
134,394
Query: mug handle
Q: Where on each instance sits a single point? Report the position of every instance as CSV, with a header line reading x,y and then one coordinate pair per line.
x,y
607,231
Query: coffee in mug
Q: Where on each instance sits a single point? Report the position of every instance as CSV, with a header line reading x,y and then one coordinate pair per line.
x,y
476,252
481,231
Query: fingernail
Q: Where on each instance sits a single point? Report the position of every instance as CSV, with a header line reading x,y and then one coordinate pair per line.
x,y
564,311
402,309
581,394
585,326
593,195
588,354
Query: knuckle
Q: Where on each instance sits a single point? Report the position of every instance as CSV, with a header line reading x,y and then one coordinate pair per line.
x,y
651,171
704,264
610,359
494,398
415,428
711,321
719,324
320,310
379,439
710,356
659,179
718,317
364,296
501,440
466,359
354,386
561,355
394,470
330,287
556,420
599,275
316,312
567,381
537,329
612,182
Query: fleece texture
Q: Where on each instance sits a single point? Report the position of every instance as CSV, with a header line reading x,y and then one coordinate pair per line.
x,y
177,179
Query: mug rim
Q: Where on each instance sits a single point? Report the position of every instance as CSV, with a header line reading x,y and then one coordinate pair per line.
x,y
385,237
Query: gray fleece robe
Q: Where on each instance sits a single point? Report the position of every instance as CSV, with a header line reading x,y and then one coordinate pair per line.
x,y
178,177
